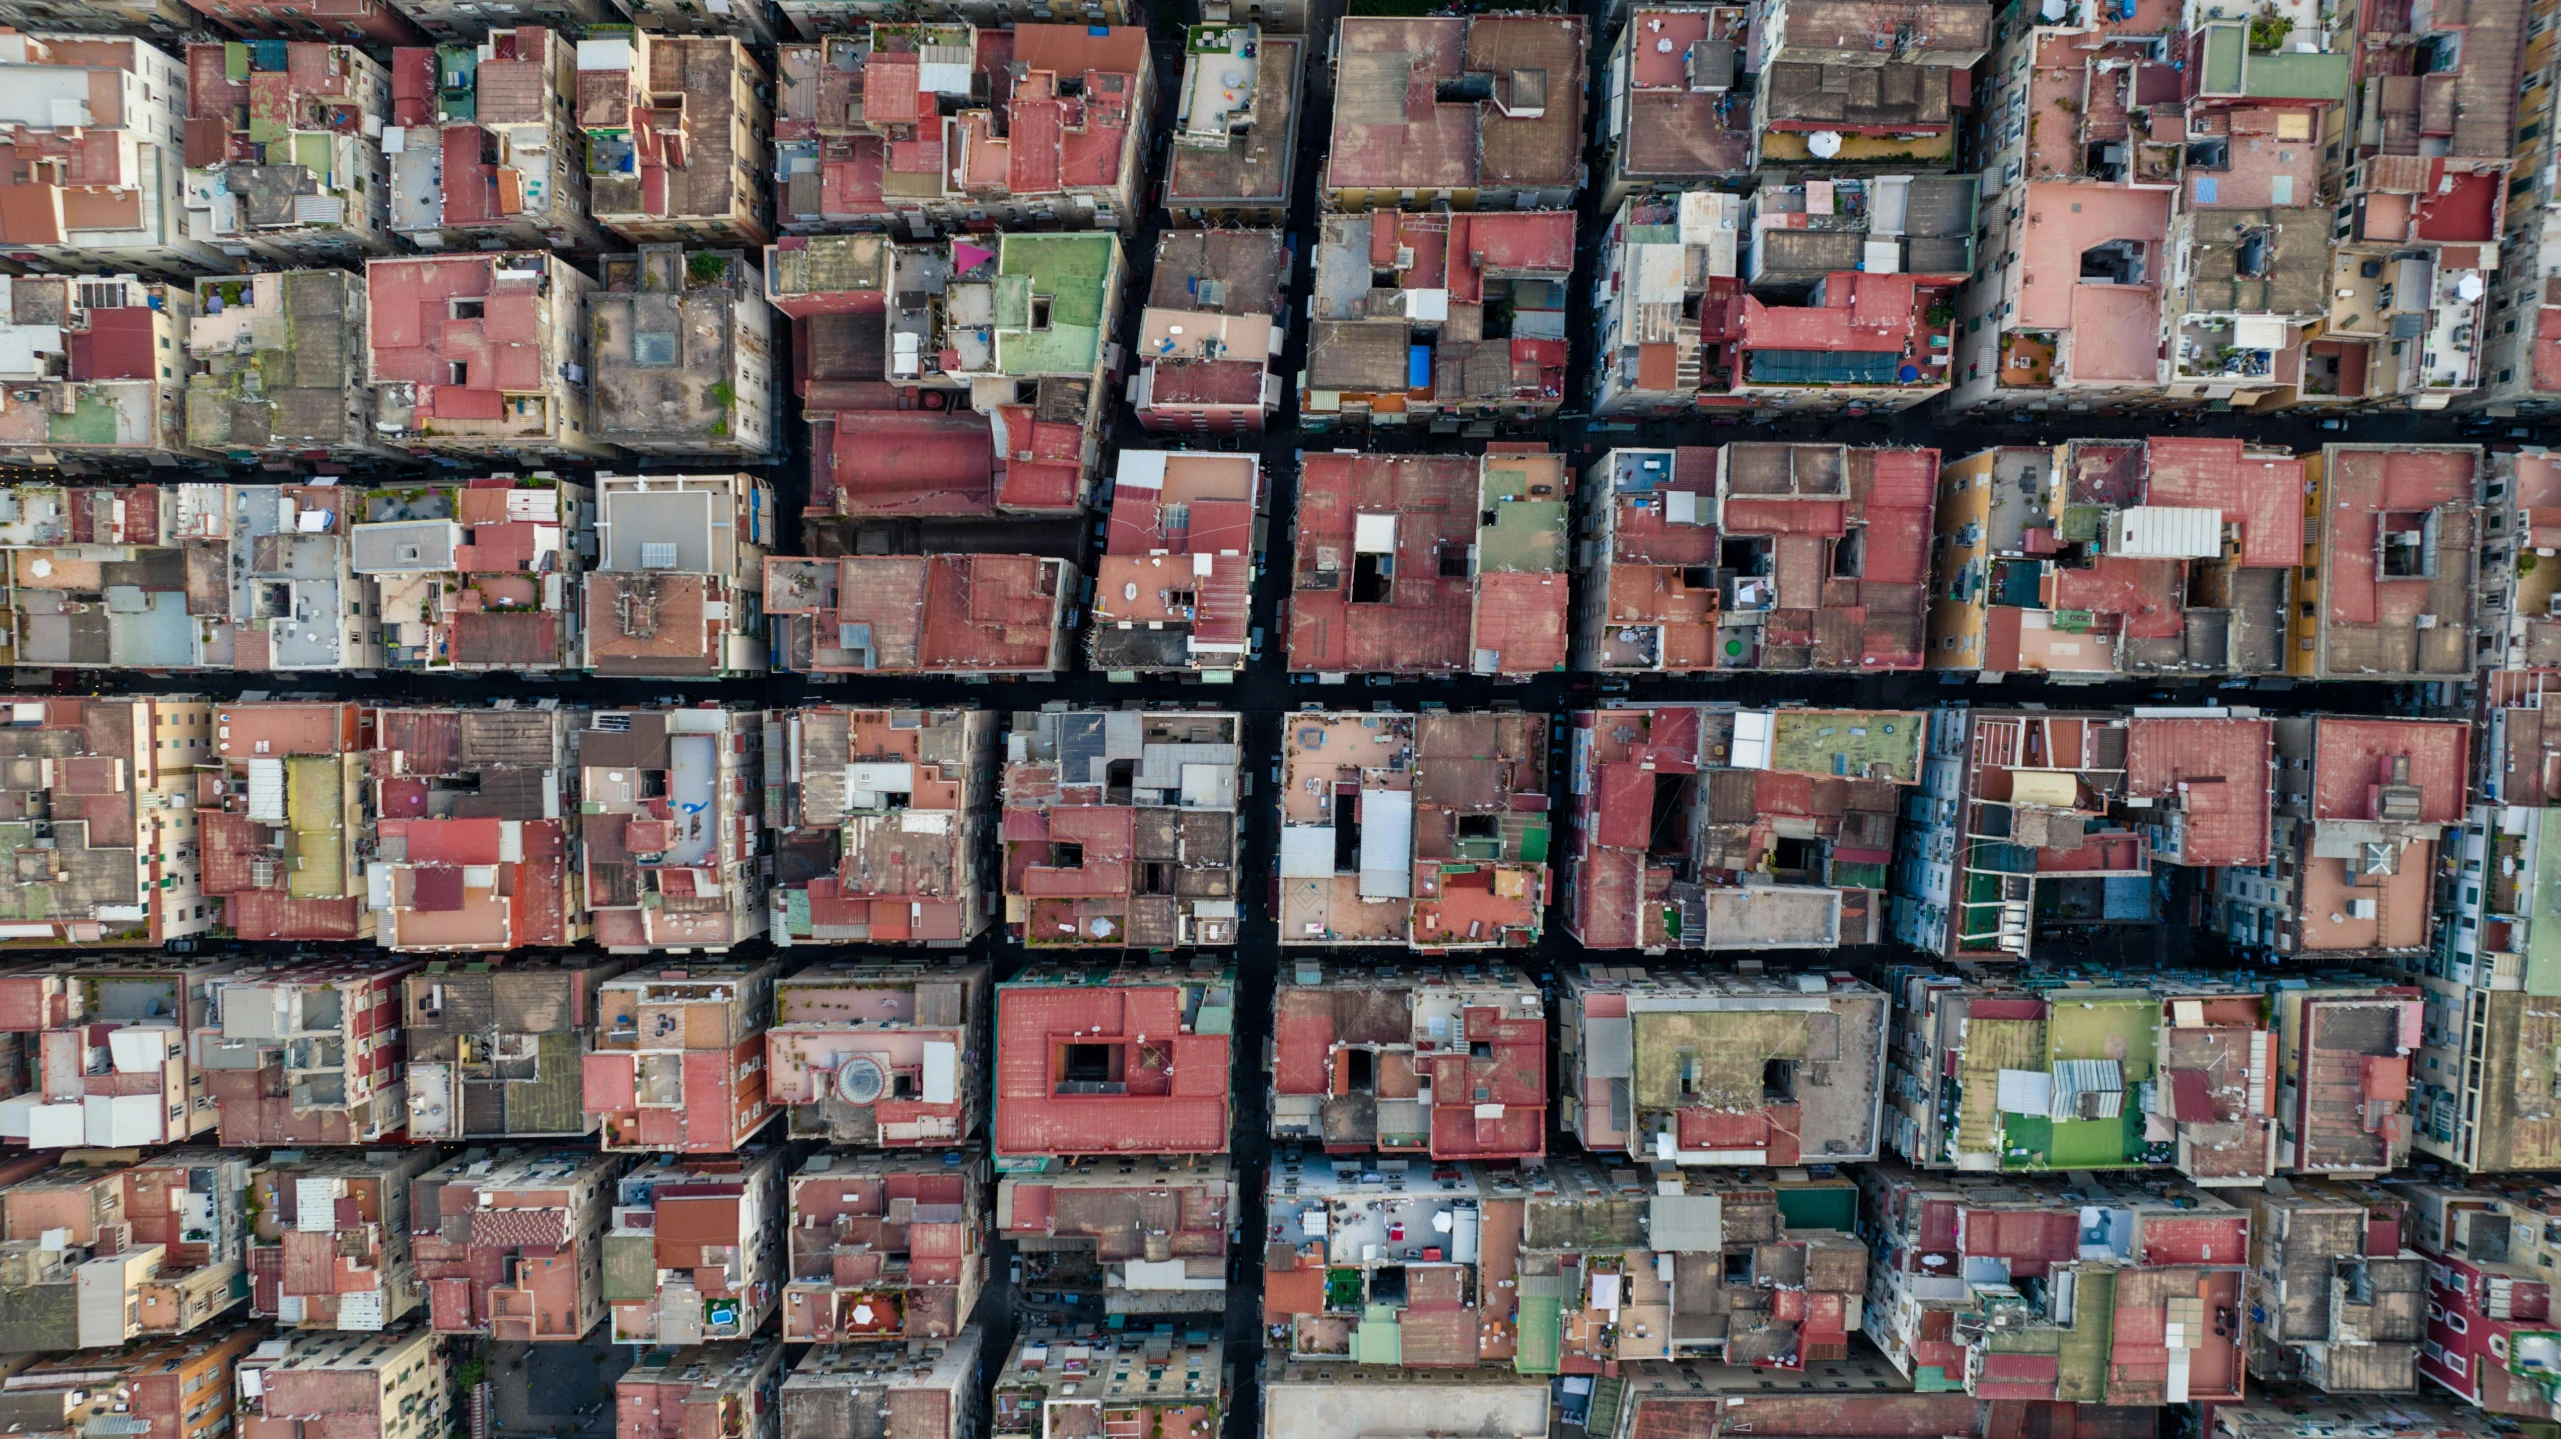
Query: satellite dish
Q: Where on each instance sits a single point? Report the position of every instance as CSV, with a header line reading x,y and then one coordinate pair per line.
x,y
1824,143
859,1081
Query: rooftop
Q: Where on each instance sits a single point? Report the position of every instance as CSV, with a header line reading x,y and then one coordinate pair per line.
x,y
1489,102
1708,1065
2208,780
1392,547
1438,1060
896,117
282,144
2399,524
1119,828
1099,1061
882,817
661,118
1429,831
276,363
1682,120
1174,587
971,613
1236,119
463,344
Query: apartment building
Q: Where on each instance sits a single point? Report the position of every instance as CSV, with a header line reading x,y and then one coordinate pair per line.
x,y
2021,823
675,129
732,1392
307,182
1235,125
1821,72
178,1386
1313,1397
980,615
280,821
480,576
2488,1254
112,781
510,1243
1428,831
2361,808
1058,1383
277,368
84,207
1502,128
100,1052
884,1247
161,21
682,347
497,1053
1700,827
2483,981
880,1054
329,1238
929,1390
963,123
98,380
1174,586
104,1249
307,1052
2395,539
482,355
677,1061
694,1249
1755,556
1670,118
392,1382
1472,328
1439,1060
814,19
1211,334
1802,1066
1140,1235
2337,1293
672,591
469,848
1119,828
495,161
1391,548
377,21
1758,1271
1126,1061
880,819
998,358
2425,180
2100,559
2164,1262
449,22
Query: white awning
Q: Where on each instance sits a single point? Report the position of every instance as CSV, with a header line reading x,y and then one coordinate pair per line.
x,y
1387,844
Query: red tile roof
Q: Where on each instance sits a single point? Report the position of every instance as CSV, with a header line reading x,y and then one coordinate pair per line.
x,y
2218,770
2352,757
1187,1112
2262,494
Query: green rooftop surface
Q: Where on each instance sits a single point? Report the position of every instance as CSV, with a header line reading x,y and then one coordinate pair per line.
x,y
1819,1206
2104,1024
1074,274
1541,1335
91,422
1884,744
